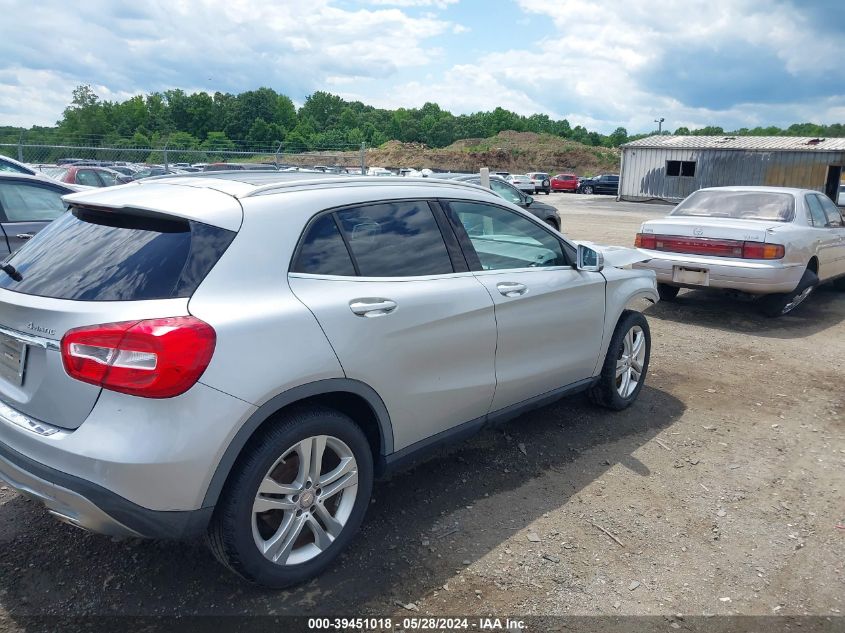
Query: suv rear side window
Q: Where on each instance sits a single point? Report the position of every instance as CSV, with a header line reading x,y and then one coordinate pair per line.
x,y
90,255
322,251
396,239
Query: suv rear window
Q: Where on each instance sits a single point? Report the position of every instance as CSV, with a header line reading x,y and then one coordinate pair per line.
x,y
88,255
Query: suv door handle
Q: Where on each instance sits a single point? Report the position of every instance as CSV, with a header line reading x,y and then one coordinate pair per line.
x,y
25,236
511,288
372,307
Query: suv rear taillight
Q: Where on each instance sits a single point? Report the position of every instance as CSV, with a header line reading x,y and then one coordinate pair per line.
x,y
154,358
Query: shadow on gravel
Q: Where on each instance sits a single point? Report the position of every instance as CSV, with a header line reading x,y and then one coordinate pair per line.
x,y
824,309
48,568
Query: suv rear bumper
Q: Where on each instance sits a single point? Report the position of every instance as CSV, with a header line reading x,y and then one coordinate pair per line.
x,y
92,507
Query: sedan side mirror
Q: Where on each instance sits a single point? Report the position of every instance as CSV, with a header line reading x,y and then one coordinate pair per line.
x,y
589,260
528,201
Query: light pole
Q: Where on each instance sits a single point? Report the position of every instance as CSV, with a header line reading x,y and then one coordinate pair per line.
x,y
659,124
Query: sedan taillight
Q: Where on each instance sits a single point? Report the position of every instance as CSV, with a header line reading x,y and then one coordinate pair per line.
x,y
709,246
154,358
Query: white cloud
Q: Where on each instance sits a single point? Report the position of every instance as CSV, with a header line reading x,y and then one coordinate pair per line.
x,y
623,62
440,4
230,45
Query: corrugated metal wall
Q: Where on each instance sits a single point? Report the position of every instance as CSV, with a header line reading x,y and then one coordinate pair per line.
x,y
643,174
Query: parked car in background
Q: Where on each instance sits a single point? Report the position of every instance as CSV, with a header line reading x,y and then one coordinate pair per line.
x,y
604,184
541,182
565,182
87,175
11,165
840,199
413,312
27,204
774,243
546,212
521,182
125,170
239,166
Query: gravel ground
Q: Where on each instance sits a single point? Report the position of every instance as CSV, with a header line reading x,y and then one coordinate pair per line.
x,y
719,492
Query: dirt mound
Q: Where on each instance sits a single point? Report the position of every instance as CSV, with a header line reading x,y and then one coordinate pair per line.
x,y
508,151
516,152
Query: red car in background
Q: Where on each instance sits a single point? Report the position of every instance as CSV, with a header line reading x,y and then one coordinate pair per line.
x,y
565,182
87,175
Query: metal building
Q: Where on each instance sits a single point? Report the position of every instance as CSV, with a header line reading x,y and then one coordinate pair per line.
x,y
672,167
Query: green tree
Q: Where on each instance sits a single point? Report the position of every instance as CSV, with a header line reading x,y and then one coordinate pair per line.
x,y
85,118
618,137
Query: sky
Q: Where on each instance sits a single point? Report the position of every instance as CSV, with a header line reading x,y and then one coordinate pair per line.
x,y
601,64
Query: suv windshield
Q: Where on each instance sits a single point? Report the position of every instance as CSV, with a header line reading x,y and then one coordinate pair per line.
x,y
88,255
742,205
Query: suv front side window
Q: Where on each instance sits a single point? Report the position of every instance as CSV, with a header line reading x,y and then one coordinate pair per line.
x,y
504,239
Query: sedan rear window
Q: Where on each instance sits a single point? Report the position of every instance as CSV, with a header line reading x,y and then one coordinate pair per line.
x,y
741,205
89,255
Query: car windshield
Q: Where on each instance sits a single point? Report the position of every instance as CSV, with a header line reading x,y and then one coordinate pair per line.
x,y
54,172
744,205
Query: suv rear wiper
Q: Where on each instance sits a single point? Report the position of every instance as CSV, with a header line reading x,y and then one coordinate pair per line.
x,y
12,272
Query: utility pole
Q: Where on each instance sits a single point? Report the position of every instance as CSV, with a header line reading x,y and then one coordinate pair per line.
x,y
659,125
363,158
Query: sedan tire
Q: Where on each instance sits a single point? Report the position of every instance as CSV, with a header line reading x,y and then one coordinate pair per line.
x,y
667,292
295,498
626,364
776,305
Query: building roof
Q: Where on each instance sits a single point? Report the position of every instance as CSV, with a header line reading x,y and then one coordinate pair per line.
x,y
762,143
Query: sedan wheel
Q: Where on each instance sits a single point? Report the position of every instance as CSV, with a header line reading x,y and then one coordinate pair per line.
x,y
780,304
797,300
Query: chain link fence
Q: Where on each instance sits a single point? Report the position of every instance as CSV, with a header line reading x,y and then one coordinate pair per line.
x,y
348,157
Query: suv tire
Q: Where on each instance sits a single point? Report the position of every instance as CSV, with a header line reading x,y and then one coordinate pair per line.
x,y
588,189
629,353
236,528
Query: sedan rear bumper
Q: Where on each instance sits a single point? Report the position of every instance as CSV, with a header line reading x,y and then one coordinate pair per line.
x,y
751,276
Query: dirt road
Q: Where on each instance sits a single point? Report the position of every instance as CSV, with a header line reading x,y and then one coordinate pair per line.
x,y
719,492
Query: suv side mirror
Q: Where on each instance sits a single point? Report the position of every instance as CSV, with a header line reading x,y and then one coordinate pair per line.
x,y
589,260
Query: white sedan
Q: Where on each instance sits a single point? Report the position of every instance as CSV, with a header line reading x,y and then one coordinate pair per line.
x,y
773,242
521,182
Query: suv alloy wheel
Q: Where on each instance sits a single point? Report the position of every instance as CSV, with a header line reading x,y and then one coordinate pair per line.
x,y
295,498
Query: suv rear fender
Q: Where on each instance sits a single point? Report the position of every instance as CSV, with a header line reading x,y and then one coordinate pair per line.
x,y
625,289
353,397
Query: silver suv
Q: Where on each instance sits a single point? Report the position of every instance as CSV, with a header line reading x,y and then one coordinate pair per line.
x,y
240,354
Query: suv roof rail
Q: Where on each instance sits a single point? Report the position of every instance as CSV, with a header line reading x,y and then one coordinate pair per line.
x,y
362,180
